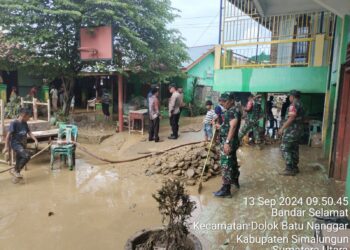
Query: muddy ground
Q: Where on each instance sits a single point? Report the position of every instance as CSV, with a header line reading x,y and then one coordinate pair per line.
x,y
98,206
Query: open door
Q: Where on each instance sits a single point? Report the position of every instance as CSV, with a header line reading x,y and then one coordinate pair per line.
x,y
341,148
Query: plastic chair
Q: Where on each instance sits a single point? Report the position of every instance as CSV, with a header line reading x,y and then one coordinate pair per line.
x,y
315,127
91,104
64,146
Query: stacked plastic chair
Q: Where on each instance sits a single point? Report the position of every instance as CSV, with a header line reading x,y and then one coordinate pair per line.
x,y
65,147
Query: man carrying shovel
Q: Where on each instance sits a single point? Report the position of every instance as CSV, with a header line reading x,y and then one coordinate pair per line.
x,y
229,144
17,139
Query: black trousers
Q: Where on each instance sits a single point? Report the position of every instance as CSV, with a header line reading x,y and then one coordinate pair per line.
x,y
105,109
174,123
22,157
154,129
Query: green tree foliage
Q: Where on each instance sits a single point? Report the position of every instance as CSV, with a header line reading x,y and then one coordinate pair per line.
x,y
47,32
176,209
9,53
261,58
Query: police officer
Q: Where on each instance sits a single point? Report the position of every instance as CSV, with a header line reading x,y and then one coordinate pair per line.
x,y
253,109
291,132
229,144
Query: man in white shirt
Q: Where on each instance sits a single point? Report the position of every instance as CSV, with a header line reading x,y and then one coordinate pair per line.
x,y
174,111
54,98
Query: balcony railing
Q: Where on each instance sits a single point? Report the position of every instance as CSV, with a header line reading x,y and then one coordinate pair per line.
x,y
250,40
277,53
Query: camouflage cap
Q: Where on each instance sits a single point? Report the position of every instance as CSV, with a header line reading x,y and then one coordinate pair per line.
x,y
227,96
294,93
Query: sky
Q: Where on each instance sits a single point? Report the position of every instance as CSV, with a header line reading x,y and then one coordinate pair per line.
x,y
198,21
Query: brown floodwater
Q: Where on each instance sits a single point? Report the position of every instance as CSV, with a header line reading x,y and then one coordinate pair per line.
x,y
98,206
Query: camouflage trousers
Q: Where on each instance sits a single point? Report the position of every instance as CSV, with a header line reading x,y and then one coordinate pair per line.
x,y
290,153
248,126
229,165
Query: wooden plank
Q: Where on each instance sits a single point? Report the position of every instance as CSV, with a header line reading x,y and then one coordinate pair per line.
x,y
46,133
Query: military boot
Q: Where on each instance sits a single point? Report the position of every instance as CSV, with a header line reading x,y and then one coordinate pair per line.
x,y
296,169
289,171
235,181
224,192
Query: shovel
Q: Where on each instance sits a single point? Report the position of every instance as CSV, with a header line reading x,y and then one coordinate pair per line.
x,y
206,161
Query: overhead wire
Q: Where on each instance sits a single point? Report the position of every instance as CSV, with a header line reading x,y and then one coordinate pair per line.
x,y
206,29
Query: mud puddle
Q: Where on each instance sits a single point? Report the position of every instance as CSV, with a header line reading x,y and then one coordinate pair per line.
x,y
98,206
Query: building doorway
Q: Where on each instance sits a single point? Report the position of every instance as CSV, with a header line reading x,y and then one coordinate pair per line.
x,y
341,146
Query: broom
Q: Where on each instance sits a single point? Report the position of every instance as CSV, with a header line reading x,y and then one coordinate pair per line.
x,y
205,163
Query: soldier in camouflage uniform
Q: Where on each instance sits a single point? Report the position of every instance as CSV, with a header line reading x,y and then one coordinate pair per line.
x,y
253,110
229,144
291,132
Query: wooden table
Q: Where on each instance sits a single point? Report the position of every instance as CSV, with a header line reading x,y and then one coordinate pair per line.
x,y
46,133
137,115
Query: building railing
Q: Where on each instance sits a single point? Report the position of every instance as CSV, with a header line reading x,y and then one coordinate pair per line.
x,y
276,53
252,40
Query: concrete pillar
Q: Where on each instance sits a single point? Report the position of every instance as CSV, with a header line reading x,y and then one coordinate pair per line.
x,y
3,92
319,47
44,95
217,61
120,102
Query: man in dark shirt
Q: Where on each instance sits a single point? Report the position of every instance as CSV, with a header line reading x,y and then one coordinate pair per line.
x,y
105,100
285,106
17,139
154,116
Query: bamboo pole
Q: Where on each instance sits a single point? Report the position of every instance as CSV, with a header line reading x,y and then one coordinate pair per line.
x,y
2,121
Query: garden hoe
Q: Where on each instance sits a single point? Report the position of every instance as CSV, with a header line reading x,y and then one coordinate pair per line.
x,y
206,161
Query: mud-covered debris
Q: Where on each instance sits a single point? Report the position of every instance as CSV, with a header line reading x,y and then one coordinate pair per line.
x,y
191,182
158,170
187,158
203,154
181,164
172,165
148,172
165,171
190,173
187,163
177,172
216,167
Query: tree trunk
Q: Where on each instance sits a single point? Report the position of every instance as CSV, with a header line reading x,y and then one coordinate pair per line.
x,y
68,87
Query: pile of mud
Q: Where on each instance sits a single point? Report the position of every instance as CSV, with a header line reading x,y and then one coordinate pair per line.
x,y
187,163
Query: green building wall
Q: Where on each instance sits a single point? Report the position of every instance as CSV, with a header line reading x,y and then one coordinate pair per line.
x,y
281,79
204,71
